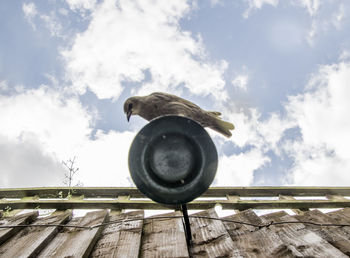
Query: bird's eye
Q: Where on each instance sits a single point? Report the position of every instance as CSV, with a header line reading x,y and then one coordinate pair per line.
x,y
130,106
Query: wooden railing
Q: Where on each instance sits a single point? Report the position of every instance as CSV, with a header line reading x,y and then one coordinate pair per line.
x,y
118,198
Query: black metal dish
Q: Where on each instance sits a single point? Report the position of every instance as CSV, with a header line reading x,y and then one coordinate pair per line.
x,y
173,160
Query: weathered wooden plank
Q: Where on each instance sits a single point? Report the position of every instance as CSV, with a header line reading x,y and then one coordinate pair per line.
x,y
74,242
337,236
23,219
164,237
280,204
296,211
210,237
236,229
337,198
233,199
63,204
112,192
31,240
341,217
299,241
121,239
251,241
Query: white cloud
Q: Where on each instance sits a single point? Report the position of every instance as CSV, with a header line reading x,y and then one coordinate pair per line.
x,y
104,160
38,129
240,82
24,163
338,17
127,39
321,156
344,55
238,170
216,2
312,6
320,151
312,33
257,4
58,123
4,86
272,130
42,127
246,127
30,12
51,22
81,5
251,130
255,137
325,17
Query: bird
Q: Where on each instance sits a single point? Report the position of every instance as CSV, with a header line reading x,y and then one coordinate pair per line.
x,y
161,104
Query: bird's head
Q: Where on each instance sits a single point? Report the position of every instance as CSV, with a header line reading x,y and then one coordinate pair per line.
x,y
131,107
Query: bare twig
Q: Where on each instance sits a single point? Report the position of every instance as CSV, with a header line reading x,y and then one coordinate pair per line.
x,y
72,170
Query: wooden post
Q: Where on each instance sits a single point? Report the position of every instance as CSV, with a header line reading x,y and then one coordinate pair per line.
x,y
288,197
233,199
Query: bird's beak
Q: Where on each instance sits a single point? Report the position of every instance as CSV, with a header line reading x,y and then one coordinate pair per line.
x,y
128,114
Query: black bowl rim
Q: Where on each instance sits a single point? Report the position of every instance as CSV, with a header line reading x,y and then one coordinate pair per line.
x,y
188,128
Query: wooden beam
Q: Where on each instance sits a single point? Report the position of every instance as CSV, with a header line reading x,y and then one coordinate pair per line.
x,y
148,204
337,198
113,192
233,199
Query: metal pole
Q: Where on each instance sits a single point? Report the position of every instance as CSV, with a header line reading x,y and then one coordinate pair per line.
x,y
187,225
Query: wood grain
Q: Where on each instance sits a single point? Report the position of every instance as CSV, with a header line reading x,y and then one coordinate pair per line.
x,y
121,239
251,241
164,237
112,192
210,237
31,240
23,219
74,242
297,240
337,236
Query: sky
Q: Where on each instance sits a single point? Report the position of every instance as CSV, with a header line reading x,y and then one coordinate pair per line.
x,y
278,70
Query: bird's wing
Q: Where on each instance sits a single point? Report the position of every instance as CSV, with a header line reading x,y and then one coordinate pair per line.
x,y
214,113
173,99
179,108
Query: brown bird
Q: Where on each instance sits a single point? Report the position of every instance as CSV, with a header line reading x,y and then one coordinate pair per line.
x,y
160,104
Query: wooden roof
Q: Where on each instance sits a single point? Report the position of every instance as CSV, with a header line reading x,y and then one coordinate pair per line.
x,y
130,234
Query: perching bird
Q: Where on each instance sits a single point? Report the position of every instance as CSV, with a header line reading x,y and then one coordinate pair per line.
x,y
160,104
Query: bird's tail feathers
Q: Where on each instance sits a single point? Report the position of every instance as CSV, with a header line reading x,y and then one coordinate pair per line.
x,y
223,127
